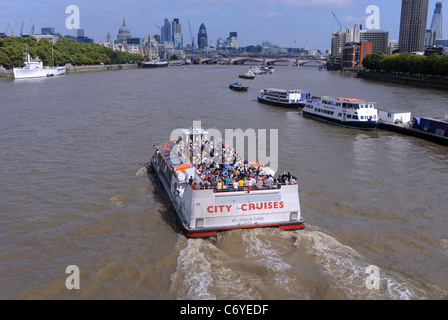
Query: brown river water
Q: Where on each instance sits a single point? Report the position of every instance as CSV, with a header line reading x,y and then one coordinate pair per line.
x,y
70,148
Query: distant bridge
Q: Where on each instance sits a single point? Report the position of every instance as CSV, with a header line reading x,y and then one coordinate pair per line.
x,y
264,61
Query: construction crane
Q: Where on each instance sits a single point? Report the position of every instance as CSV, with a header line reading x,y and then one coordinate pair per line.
x,y
192,38
337,21
7,28
21,30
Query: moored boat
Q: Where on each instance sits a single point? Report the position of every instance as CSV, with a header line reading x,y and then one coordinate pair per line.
x,y
238,86
153,64
283,98
346,112
35,69
211,195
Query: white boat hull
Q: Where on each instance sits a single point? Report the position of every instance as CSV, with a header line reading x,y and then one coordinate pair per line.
x,y
38,73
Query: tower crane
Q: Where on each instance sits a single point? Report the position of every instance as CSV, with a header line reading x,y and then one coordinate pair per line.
x,y
337,21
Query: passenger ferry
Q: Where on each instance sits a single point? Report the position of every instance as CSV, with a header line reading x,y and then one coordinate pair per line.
x,y
206,203
283,98
346,112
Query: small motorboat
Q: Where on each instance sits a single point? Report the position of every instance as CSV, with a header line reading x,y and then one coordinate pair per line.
x,y
238,86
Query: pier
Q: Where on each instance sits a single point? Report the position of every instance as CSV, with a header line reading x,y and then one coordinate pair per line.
x,y
406,129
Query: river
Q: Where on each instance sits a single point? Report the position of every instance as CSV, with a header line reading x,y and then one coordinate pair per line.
x,y
70,148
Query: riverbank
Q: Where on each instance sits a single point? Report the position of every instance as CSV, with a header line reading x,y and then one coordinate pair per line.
x,y
96,68
4,73
424,81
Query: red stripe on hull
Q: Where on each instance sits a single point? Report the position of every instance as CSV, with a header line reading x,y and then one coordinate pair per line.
x,y
206,234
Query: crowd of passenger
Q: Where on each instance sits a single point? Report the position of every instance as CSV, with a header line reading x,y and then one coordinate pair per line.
x,y
231,172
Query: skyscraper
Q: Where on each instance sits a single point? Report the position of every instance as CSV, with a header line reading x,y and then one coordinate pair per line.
x,y
202,37
414,16
177,34
436,25
166,33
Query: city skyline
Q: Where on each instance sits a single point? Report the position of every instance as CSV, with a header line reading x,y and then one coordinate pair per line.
x,y
291,23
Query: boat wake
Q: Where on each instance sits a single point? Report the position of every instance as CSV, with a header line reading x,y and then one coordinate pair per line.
x,y
269,264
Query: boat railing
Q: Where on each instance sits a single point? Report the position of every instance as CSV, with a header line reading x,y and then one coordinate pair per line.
x,y
244,188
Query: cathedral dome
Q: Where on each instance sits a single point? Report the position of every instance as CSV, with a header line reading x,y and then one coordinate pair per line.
x,y
123,32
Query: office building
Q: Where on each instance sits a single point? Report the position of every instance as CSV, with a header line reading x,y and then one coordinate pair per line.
x,y
414,16
166,32
233,40
202,37
355,52
177,34
379,39
47,31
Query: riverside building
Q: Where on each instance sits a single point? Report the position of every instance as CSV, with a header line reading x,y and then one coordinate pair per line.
x,y
414,16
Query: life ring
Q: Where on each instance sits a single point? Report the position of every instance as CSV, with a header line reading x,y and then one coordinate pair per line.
x,y
446,128
166,146
166,154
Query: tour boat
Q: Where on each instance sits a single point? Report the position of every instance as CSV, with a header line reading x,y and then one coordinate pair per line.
x,y
238,86
153,64
205,209
346,112
283,98
34,69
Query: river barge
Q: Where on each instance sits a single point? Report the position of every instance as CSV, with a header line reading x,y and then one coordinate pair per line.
x,y
210,196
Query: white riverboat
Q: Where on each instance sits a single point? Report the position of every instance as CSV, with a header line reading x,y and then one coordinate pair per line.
x,y
35,69
153,64
346,112
209,198
283,98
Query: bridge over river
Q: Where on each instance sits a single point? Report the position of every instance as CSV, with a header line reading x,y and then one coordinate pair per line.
x,y
263,61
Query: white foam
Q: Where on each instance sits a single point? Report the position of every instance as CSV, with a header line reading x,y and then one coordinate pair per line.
x,y
346,270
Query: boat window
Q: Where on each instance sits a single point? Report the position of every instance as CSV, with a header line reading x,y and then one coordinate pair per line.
x,y
355,117
349,116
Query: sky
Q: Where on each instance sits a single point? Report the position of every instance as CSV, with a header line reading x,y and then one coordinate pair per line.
x,y
287,23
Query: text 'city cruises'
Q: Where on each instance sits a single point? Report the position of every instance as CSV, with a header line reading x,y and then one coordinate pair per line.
x,y
212,189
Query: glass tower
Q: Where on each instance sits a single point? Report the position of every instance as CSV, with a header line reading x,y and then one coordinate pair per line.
x,y
436,25
202,37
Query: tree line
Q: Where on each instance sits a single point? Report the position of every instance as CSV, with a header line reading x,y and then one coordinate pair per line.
x,y
64,51
407,63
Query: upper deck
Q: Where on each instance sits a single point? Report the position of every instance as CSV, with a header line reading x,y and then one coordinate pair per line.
x,y
346,103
